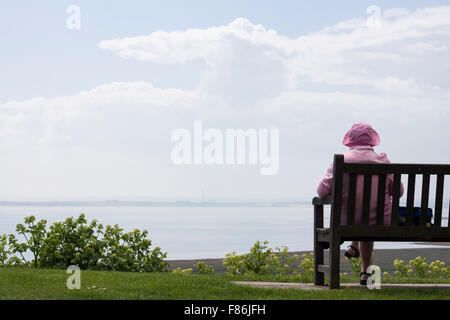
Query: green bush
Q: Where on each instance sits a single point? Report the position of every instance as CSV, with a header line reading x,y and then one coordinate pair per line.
x,y
4,251
264,260
203,268
307,266
34,240
77,242
419,267
182,271
355,263
73,242
438,269
256,262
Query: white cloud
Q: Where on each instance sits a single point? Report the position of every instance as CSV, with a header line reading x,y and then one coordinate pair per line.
x,y
406,46
243,59
182,46
56,120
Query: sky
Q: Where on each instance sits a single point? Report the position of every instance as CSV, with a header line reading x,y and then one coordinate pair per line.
x,y
88,113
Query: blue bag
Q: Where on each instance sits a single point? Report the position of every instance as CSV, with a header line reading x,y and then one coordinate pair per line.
x,y
416,216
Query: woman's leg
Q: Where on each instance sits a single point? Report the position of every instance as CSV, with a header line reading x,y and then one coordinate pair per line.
x,y
366,249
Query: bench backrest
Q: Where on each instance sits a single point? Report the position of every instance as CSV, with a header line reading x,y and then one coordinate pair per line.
x,y
381,170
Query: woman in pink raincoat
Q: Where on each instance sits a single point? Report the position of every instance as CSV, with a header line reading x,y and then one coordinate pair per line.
x,y
361,138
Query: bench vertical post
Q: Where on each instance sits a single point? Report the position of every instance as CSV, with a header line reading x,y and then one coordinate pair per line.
x,y
319,277
351,199
335,222
395,199
425,199
381,199
439,200
367,191
410,199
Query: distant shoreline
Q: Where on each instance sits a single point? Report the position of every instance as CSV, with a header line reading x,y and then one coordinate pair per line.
x,y
119,203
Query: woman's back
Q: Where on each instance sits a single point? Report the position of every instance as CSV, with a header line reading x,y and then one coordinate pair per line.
x,y
360,140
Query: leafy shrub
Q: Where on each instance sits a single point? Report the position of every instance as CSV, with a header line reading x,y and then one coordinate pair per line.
x,y
438,269
257,260
355,263
34,240
419,267
262,260
131,251
279,262
182,271
234,263
8,248
4,251
73,242
307,265
77,242
203,268
400,269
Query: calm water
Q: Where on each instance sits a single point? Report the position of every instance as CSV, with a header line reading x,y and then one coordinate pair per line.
x,y
195,232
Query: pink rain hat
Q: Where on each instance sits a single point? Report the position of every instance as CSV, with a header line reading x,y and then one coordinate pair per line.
x,y
361,134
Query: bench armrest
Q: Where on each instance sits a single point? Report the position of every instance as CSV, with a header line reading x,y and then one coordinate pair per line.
x,y
321,201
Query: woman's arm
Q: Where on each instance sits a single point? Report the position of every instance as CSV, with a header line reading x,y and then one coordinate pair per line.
x,y
326,183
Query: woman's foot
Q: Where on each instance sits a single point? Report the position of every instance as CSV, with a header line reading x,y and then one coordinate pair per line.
x,y
351,252
363,276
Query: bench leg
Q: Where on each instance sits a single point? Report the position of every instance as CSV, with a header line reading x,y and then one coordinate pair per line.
x,y
319,277
334,263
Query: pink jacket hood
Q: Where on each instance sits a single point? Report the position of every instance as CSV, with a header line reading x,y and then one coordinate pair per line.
x,y
361,134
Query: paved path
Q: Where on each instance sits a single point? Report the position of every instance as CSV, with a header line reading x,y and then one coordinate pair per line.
x,y
311,286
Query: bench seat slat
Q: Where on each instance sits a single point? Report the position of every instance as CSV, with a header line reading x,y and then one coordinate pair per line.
x,y
382,233
323,268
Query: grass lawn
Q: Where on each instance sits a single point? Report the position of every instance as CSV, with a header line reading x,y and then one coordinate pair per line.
x,y
51,284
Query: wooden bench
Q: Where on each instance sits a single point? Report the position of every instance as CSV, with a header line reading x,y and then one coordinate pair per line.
x,y
334,236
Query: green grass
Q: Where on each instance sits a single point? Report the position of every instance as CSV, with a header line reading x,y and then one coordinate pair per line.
x,y
51,284
344,279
